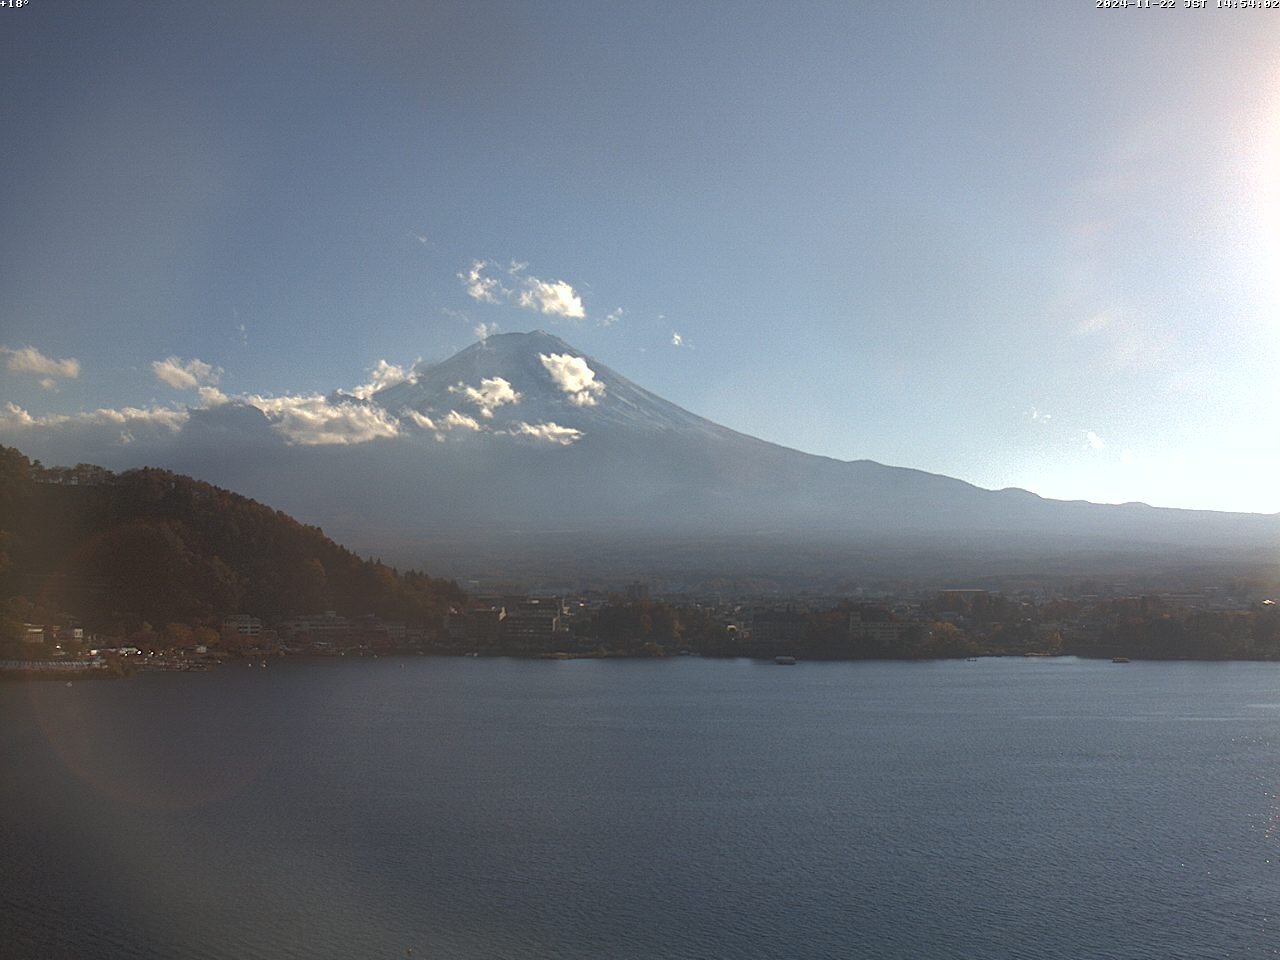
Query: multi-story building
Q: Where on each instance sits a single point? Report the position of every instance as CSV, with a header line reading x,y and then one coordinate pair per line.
x,y
241,627
532,621
327,626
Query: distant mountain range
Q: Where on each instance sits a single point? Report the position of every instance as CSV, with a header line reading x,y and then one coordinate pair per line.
x,y
522,454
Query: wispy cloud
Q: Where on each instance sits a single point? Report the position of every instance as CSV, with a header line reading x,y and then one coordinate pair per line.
x,y
1093,442
423,422
1039,416
484,331
493,392
550,297
550,432
30,360
420,420
612,317
455,419
185,374
484,288
676,339
574,377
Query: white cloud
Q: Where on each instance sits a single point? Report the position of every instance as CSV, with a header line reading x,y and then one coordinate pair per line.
x,y
572,375
551,432
1092,441
484,331
483,288
611,318
31,360
456,419
676,339
493,392
185,375
16,418
555,297
381,376
314,420
48,383
552,297
212,397
1039,416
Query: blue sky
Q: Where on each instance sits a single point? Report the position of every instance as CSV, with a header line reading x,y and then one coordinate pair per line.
x,y
1022,244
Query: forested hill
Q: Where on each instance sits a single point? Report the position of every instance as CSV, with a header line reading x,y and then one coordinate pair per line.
x,y
118,550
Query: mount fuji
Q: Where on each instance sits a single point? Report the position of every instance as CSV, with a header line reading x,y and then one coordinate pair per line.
x,y
522,454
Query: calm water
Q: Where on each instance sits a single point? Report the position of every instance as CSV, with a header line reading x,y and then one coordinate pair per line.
x,y
464,808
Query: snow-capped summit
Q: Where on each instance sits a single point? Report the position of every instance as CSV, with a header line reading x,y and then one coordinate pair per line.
x,y
536,380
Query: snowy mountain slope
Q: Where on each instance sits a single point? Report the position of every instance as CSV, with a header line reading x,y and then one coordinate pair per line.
x,y
538,378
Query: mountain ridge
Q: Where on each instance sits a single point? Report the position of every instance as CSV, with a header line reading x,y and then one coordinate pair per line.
x,y
483,352
520,443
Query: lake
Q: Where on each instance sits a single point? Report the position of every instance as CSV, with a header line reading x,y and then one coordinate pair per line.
x,y
686,808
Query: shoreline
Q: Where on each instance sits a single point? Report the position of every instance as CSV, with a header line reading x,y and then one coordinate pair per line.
x,y
12,674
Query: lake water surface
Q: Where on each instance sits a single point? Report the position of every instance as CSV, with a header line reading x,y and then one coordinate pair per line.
x,y
473,808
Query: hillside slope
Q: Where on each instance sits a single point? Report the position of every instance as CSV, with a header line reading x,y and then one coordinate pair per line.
x,y
154,546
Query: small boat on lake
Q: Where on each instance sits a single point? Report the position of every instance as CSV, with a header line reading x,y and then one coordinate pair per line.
x,y
785,661
1120,660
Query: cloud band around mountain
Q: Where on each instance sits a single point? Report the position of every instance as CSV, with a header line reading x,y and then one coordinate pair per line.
x,y
345,417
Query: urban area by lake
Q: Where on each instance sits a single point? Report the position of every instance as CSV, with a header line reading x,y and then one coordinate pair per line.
x,y
1239,621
